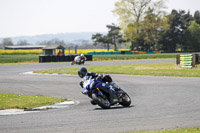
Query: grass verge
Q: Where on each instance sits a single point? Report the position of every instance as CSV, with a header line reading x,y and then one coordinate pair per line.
x,y
19,58
34,58
184,130
134,56
154,69
10,101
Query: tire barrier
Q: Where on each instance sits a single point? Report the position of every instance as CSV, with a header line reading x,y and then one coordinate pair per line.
x,y
188,60
62,58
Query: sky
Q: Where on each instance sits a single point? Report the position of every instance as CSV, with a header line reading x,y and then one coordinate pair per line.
x,y
35,17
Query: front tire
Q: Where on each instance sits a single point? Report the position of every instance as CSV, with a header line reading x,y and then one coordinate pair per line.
x,y
101,101
126,100
92,102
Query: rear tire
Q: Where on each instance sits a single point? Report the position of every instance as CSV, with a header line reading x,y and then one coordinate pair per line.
x,y
126,100
102,102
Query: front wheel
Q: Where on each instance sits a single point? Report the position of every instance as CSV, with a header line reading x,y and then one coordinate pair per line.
x,y
126,100
102,101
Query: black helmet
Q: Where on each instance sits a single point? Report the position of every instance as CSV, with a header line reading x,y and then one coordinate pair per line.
x,y
82,72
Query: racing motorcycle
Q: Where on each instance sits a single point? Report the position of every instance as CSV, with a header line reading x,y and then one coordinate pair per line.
x,y
78,60
105,92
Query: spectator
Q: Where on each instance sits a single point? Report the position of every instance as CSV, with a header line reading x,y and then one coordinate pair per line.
x,y
59,53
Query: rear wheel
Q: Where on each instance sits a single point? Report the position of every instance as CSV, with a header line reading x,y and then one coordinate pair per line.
x,y
102,101
126,100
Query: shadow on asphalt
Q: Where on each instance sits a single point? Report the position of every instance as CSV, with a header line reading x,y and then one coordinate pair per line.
x,y
115,107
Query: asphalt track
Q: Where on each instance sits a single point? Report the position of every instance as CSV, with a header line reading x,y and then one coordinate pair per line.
x,y
157,102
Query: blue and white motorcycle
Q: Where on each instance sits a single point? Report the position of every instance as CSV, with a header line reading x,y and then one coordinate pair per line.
x,y
105,93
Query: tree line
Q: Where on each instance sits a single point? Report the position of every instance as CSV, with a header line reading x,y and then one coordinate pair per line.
x,y
83,44
144,25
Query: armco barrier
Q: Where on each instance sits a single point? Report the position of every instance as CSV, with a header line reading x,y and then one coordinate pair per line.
x,y
156,52
126,52
110,53
122,52
104,53
62,58
150,52
139,52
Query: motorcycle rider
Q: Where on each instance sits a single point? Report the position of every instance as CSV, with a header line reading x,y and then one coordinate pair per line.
x,y
83,58
79,59
84,75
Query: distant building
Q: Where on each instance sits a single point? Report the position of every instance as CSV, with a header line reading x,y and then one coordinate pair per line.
x,y
51,49
24,47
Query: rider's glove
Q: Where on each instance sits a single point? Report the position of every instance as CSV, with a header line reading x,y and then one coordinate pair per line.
x,y
81,84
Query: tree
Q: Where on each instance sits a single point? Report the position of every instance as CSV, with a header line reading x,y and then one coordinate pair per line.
x,y
53,42
152,26
173,38
23,43
197,17
131,13
191,39
170,37
112,37
101,39
7,42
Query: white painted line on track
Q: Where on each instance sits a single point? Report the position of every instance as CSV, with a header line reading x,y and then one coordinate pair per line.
x,y
56,106
14,112
38,109
31,73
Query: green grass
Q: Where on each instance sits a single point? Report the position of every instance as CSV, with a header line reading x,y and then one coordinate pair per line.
x,y
10,101
134,56
155,69
19,58
184,130
35,58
